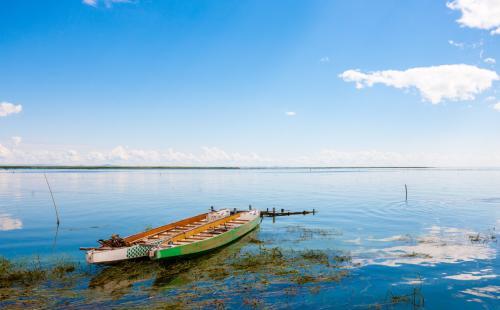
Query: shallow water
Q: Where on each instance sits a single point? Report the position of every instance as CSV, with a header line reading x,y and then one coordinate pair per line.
x,y
396,246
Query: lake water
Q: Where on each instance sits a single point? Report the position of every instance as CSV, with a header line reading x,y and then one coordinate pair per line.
x,y
441,243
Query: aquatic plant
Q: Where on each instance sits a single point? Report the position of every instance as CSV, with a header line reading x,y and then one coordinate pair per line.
x,y
415,254
308,233
201,282
489,236
29,284
315,256
20,274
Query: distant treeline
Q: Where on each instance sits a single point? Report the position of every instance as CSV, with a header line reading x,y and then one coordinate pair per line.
x,y
9,167
111,167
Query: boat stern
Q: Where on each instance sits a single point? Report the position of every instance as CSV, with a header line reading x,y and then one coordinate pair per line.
x,y
98,256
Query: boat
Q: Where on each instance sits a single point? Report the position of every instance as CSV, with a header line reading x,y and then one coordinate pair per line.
x,y
138,245
207,237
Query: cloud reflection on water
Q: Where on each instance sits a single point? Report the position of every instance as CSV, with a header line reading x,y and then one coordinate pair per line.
x,y
490,291
439,245
9,223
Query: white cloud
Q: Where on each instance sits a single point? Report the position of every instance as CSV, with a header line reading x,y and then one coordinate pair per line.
x,y
119,153
457,44
73,156
4,152
325,59
290,113
490,61
435,83
7,108
90,2
480,14
463,45
96,157
16,140
26,154
107,3
496,106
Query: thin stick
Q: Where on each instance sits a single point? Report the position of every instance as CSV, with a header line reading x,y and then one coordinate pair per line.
x,y
53,201
406,192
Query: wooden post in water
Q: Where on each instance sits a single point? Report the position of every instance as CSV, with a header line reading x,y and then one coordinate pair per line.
x,y
249,207
406,193
53,201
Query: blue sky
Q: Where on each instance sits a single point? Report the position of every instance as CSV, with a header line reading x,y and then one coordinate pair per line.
x,y
212,81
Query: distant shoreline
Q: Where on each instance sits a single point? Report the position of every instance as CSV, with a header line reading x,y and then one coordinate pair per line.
x,y
37,167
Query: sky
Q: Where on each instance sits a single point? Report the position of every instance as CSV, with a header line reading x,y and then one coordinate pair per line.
x,y
250,83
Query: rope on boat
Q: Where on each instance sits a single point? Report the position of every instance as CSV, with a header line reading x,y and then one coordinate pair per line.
x,y
114,242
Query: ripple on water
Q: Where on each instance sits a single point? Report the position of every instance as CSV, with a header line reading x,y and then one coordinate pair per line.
x,y
439,245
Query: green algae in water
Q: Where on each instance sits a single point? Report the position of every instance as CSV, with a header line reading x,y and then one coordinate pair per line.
x,y
29,284
31,273
246,269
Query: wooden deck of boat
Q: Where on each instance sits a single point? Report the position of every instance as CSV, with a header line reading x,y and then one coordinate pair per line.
x,y
207,231
173,231
169,230
189,230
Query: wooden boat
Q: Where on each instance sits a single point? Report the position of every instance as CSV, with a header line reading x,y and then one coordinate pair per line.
x,y
207,237
138,245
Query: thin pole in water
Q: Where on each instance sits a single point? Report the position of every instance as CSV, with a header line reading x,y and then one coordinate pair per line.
x,y
406,193
53,201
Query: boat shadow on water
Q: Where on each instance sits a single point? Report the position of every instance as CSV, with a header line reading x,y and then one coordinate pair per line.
x,y
120,278
244,271
248,271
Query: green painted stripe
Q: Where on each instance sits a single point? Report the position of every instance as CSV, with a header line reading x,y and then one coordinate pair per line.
x,y
208,244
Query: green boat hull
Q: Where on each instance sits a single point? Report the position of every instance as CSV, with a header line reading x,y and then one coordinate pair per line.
x,y
203,246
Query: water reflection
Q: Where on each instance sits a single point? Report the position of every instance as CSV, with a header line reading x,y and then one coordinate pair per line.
x,y
490,292
439,245
360,216
7,222
473,275
118,280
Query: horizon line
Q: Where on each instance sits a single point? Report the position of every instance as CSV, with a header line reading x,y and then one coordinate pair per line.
x,y
146,167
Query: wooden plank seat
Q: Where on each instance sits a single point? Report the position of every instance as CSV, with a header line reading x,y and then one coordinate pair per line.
x,y
177,230
213,232
181,242
207,230
205,235
143,236
185,228
195,238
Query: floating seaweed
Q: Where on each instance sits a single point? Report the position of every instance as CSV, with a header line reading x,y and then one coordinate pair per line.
x,y
308,233
255,272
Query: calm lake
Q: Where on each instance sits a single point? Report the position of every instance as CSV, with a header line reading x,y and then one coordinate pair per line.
x,y
371,247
